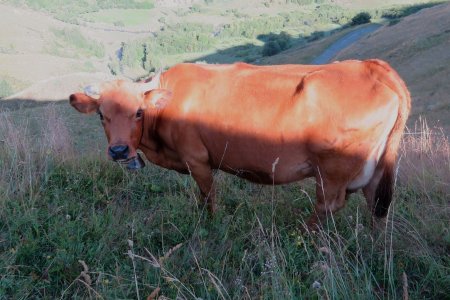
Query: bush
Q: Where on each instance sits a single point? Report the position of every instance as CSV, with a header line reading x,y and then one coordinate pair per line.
x,y
275,43
271,48
316,36
253,27
361,18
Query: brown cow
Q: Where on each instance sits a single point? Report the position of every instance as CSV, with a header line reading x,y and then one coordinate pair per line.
x,y
340,123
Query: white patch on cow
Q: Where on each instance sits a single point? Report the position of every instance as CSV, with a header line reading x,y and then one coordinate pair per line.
x,y
366,174
368,170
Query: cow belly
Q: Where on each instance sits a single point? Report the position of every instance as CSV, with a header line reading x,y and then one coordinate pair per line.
x,y
279,174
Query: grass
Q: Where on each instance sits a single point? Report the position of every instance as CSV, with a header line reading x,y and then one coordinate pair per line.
x,y
5,88
226,42
429,42
72,43
401,11
120,17
73,225
9,85
70,11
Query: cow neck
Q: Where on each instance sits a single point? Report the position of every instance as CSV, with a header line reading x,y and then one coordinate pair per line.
x,y
149,136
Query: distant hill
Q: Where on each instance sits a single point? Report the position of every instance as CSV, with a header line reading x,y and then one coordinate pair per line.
x,y
175,3
47,51
417,47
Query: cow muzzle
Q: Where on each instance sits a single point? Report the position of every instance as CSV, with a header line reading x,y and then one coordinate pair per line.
x,y
119,152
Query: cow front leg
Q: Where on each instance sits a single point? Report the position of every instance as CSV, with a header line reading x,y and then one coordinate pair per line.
x,y
203,176
331,196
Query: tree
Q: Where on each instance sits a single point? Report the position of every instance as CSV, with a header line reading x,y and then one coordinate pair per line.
x,y
271,48
361,18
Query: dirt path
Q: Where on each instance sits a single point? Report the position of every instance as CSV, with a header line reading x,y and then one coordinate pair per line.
x,y
343,43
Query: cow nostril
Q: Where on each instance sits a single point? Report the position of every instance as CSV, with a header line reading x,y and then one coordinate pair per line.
x,y
118,152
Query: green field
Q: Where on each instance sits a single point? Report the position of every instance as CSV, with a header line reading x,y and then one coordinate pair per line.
x,y
119,17
70,11
74,225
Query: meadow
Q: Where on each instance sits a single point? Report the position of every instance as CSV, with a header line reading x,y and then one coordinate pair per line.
x,y
133,38
74,225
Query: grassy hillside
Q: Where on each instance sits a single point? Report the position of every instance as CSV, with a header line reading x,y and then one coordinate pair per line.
x,y
134,37
73,225
76,226
418,48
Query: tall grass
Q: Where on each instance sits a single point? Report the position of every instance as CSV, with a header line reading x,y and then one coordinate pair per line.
x,y
80,227
9,85
27,154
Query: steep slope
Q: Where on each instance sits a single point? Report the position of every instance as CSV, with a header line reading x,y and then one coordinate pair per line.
x,y
35,47
418,48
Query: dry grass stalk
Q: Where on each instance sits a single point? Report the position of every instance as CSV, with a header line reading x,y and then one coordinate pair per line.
x,y
405,286
84,274
169,253
154,294
28,149
56,136
425,159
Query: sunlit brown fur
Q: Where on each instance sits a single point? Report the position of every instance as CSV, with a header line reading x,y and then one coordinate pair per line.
x,y
268,124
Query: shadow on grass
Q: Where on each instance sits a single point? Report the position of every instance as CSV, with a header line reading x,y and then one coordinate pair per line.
x,y
273,43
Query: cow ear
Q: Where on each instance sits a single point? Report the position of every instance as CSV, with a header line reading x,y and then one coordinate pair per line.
x,y
83,103
158,98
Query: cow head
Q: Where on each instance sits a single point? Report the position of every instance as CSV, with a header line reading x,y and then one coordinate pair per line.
x,y
122,107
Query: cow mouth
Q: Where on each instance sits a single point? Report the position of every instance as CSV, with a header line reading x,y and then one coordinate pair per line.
x,y
133,163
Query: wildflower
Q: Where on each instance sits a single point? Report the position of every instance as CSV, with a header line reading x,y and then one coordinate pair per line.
x,y
359,227
316,285
324,250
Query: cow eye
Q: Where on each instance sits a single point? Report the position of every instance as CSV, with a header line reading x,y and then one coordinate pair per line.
x,y
139,113
100,115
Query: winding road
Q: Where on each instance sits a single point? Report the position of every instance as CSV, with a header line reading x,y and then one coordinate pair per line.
x,y
343,43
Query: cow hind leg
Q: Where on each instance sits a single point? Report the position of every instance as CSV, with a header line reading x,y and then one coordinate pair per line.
x,y
379,191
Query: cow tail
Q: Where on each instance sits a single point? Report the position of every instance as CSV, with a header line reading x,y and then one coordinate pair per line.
x,y
385,188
